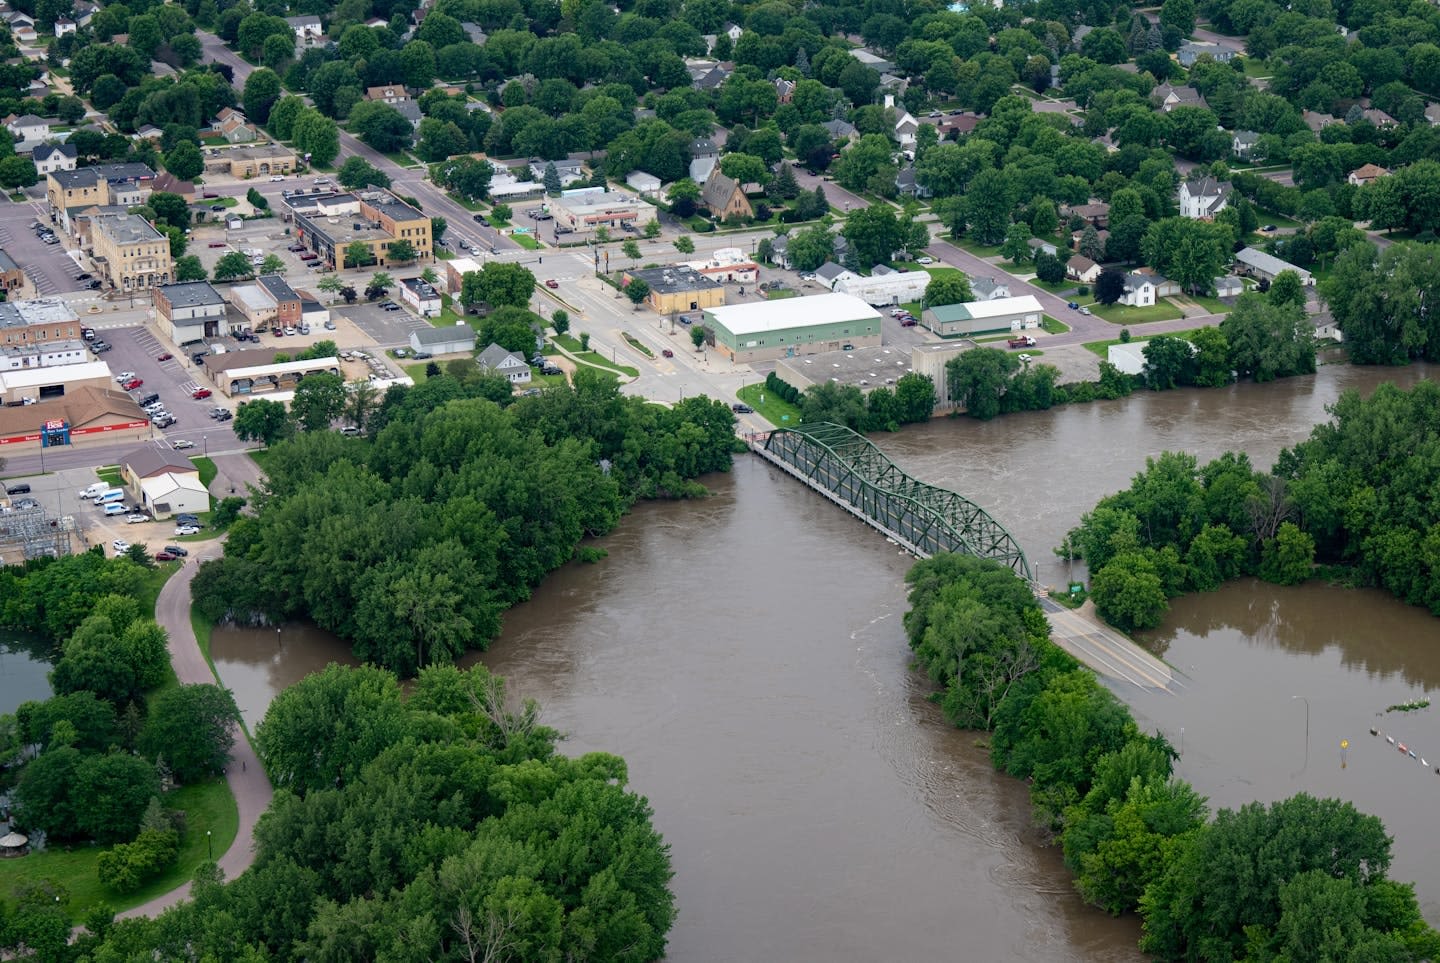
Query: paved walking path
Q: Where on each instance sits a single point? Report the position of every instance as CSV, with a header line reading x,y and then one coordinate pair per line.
x,y
248,782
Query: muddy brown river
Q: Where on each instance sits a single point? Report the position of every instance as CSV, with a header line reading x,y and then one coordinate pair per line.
x,y
745,655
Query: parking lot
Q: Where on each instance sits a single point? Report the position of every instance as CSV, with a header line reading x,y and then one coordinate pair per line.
x,y
137,349
383,327
48,266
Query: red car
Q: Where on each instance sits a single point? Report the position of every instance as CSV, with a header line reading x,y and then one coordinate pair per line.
x,y
133,383
217,243
552,284
165,557
200,393
165,357
208,195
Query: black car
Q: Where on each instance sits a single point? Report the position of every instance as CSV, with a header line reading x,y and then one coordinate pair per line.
x,y
176,550
94,285
740,409
480,219
198,358
149,399
422,356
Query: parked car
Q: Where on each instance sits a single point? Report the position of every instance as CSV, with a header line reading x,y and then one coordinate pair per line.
x,y
136,519
121,546
742,409
183,530
164,557
422,356
908,322
277,177
296,248
1086,311
99,347
165,422
401,352
550,369
183,444
309,256
167,356
88,334
177,551
1073,305
133,383
225,415
217,207
925,260
1269,227
149,399
209,195
84,276
552,284
350,431
94,285
289,330
277,331
200,394
123,377
23,503
198,358
329,325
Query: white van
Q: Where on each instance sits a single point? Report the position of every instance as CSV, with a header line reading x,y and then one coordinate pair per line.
x,y
115,508
94,490
110,495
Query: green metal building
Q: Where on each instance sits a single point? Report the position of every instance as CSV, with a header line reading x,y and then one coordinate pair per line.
x,y
768,330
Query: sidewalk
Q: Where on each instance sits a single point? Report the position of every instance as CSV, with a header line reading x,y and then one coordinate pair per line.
x,y
248,782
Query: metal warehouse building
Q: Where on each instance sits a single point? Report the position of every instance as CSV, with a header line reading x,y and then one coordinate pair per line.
x,y
768,330
984,317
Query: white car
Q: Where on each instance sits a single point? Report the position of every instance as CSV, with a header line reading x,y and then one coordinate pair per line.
x,y
187,530
289,330
277,177
123,377
925,260
136,519
120,545
182,444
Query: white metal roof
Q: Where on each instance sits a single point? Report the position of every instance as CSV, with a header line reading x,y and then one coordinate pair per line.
x,y
999,307
759,316
286,367
161,485
16,378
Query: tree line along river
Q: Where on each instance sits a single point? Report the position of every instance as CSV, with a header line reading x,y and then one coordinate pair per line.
x,y
745,655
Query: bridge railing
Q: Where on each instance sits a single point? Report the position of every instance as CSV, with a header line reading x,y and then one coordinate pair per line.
x,y
845,464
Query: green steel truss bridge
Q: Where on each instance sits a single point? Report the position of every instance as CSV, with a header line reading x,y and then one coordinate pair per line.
x,y
850,471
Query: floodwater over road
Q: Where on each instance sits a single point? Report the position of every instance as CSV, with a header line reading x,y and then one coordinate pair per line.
x,y
745,655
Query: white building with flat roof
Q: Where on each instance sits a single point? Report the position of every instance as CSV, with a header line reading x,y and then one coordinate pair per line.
x,y
885,286
584,211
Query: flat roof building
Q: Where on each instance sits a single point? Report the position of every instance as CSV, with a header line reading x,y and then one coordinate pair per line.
x,y
190,311
330,223
71,191
767,330
583,212
256,160
129,253
678,288
1258,264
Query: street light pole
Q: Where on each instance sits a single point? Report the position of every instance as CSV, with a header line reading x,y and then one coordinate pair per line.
x,y
209,846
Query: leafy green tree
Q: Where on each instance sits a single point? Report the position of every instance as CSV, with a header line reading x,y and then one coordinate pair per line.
x,y
400,252
192,728
874,233
283,115
233,265
44,797
1212,357
1049,268
381,126
948,288
637,291
501,212
189,268
1190,252
184,161
988,205
914,398
358,254
263,421
1269,340
697,337
318,136
1169,362
128,866
92,721
272,264
978,378
1128,593
170,209
1289,557
262,89
1287,289
631,249
109,796
502,285
1109,286
17,172
684,244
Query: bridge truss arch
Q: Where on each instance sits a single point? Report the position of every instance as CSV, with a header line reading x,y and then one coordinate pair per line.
x,y
849,469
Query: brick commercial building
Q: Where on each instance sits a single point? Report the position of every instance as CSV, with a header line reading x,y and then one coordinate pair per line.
x,y
129,254
269,301
259,160
677,289
108,185
190,312
330,223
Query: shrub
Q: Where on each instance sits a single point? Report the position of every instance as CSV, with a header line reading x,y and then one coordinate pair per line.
x,y
129,866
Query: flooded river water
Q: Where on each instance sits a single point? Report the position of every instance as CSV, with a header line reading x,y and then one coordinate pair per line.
x,y
745,655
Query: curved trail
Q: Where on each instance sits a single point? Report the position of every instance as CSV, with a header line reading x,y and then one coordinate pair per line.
x,y
248,783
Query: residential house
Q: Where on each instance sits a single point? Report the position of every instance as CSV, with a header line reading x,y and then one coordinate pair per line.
x,y
85,12
1164,287
1194,50
1258,264
569,171
1096,213
989,289
54,157
784,90
1317,121
715,77
1102,235
873,60
496,360
1168,97
841,130
1379,118
1228,286
387,94
1081,268
410,110
905,124
780,251
908,185
168,183
704,155
1243,143
28,127
1368,174
149,133
957,125
1139,291
725,199
830,273
308,30
421,296
453,339
474,33
22,26
63,26
1202,199
233,126
1037,245
1432,113
732,30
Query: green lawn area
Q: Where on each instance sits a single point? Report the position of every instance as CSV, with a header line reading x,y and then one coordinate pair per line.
x,y
447,318
416,371
940,270
773,409
208,806
465,202
444,254
214,141
780,294
1117,313
1053,325
225,201
1055,287
1279,220
207,468
546,381
110,475
572,345
1213,305
526,241
1254,67
975,248
1102,348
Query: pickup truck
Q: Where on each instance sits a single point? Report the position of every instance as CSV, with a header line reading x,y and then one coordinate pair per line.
x,y
1024,341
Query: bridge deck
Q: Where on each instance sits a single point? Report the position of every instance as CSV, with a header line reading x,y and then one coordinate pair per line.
x,y
1093,643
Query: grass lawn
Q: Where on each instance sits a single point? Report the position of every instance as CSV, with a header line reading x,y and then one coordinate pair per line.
x,y
1279,220
547,381
1055,287
416,371
444,254
465,202
781,294
208,806
572,345
215,141
1213,305
976,248
1255,67
1117,313
526,241
110,475
207,469
1053,325
773,409
447,318
226,201
1102,348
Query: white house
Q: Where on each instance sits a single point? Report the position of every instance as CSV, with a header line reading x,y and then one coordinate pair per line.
x,y
421,296
497,360
989,289
28,127
63,26
1258,264
54,157
1203,198
308,29
1081,268
1139,291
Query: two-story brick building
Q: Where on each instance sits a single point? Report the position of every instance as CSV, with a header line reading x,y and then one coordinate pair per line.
x,y
269,301
329,224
